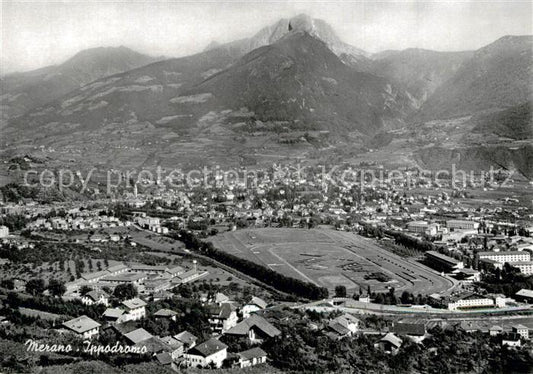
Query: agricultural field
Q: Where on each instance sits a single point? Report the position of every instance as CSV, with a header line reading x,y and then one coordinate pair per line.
x,y
330,258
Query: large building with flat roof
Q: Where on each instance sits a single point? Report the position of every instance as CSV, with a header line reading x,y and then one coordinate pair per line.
x,y
423,227
462,224
470,301
505,256
441,262
526,267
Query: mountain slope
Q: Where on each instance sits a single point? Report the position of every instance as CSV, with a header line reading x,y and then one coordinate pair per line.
x,y
515,122
298,79
142,94
496,76
22,92
420,72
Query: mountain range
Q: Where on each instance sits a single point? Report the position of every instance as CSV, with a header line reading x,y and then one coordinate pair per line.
x,y
22,92
292,89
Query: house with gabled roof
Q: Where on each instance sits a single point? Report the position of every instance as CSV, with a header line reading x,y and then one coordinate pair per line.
x,y
83,326
220,298
211,352
250,357
390,343
138,335
115,315
495,330
189,340
166,314
95,297
348,321
165,359
415,331
135,309
222,317
342,326
254,305
255,328
177,347
525,296
154,345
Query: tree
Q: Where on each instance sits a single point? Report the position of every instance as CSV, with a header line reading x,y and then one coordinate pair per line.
x,y
85,289
407,298
8,283
35,286
125,291
340,291
56,287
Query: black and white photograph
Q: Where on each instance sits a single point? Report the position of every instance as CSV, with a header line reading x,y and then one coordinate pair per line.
x,y
266,187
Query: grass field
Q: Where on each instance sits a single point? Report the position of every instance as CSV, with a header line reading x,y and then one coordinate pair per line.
x,y
329,258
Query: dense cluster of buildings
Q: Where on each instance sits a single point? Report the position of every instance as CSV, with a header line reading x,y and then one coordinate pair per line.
x,y
147,279
185,349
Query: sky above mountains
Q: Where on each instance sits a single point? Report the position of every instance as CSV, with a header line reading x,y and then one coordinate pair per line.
x,y
40,33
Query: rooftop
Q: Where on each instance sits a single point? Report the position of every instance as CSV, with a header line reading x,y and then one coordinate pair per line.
x,y
113,312
81,324
503,253
252,353
442,257
134,303
138,335
393,339
165,313
243,327
208,348
125,277
258,301
186,337
525,292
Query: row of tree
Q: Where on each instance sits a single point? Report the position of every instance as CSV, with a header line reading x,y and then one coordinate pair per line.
x,y
279,281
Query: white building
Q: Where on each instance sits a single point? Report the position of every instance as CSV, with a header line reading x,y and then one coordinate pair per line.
x,y
470,301
83,326
506,256
521,330
462,225
251,357
4,231
222,317
252,306
95,297
423,227
135,309
526,267
211,351
512,341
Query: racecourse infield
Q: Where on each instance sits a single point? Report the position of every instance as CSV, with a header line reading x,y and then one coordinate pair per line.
x,y
329,258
